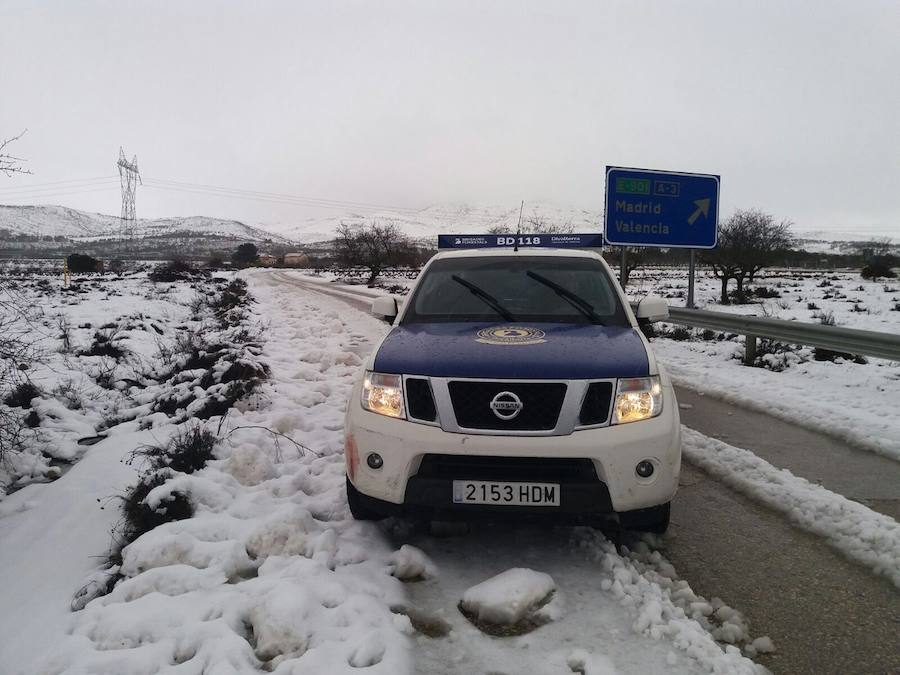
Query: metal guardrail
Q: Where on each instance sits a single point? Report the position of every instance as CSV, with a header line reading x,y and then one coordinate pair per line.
x,y
835,338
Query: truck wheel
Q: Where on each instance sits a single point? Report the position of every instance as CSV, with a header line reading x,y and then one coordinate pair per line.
x,y
358,509
654,519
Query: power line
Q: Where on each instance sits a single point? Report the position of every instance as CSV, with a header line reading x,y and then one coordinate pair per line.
x,y
58,194
38,192
58,182
77,186
315,202
321,200
273,200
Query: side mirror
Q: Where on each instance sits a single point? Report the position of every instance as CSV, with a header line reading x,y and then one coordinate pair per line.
x,y
385,308
652,308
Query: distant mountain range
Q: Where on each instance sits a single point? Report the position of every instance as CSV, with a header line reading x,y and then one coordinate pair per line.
x,y
431,221
79,226
39,223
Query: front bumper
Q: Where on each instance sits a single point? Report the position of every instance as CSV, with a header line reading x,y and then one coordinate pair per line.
x,y
614,451
431,499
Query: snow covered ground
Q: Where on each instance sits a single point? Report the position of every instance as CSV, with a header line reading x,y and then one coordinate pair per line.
x,y
271,573
77,332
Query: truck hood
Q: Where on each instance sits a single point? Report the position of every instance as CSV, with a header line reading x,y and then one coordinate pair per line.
x,y
513,351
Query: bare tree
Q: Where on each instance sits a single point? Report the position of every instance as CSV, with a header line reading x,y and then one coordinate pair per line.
x,y
541,224
375,247
10,164
17,353
878,258
535,224
875,248
749,242
635,257
16,343
764,240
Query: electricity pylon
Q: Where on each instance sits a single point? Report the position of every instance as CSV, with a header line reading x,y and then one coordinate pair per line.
x,y
129,177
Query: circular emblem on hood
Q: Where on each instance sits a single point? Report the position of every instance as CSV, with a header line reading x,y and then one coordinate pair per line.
x,y
506,405
510,335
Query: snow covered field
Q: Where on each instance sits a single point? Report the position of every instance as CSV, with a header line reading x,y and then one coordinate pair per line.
x,y
270,573
94,339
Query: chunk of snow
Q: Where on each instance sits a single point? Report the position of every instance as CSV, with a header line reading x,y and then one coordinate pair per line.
x,y
368,652
249,465
581,661
761,645
409,562
508,597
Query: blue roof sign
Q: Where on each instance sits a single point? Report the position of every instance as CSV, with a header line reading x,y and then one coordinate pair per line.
x,y
522,240
667,209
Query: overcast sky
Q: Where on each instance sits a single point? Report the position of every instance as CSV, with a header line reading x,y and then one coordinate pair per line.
x,y
795,104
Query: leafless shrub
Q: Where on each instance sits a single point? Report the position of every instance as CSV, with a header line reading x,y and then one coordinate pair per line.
x,y
18,352
104,372
825,318
65,333
106,343
198,304
69,394
165,352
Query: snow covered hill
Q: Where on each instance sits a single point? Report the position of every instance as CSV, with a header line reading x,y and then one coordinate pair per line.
x,y
427,223
436,219
420,224
61,221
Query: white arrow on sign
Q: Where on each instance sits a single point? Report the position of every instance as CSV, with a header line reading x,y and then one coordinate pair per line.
x,y
702,208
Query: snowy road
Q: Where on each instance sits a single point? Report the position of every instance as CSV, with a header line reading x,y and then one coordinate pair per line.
x,y
825,613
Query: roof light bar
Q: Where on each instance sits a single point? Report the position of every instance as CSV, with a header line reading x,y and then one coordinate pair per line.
x,y
536,240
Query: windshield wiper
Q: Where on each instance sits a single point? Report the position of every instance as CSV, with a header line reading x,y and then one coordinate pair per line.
x,y
573,299
484,296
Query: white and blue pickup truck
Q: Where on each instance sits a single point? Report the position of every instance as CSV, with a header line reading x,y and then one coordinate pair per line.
x,y
514,381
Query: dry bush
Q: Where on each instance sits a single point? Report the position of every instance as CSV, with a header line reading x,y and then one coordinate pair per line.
x,y
18,353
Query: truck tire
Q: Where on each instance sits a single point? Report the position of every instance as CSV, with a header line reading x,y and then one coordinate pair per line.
x,y
358,509
654,519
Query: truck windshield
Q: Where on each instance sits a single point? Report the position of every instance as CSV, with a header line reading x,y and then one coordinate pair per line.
x,y
527,288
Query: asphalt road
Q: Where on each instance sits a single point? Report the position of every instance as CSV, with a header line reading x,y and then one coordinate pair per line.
x,y
826,614
861,475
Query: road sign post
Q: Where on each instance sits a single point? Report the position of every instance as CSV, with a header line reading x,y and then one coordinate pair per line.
x,y
663,209
691,268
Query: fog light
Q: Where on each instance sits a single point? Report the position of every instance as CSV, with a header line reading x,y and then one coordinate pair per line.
x,y
375,461
644,468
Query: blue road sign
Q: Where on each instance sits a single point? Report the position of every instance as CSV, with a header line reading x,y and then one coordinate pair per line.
x,y
524,240
661,208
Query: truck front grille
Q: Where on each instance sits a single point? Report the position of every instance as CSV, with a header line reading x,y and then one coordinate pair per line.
x,y
541,404
597,399
420,399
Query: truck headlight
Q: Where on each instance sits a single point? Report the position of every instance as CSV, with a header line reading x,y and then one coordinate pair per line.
x,y
383,394
638,398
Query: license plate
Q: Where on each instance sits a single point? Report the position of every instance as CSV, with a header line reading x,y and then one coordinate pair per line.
x,y
508,494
